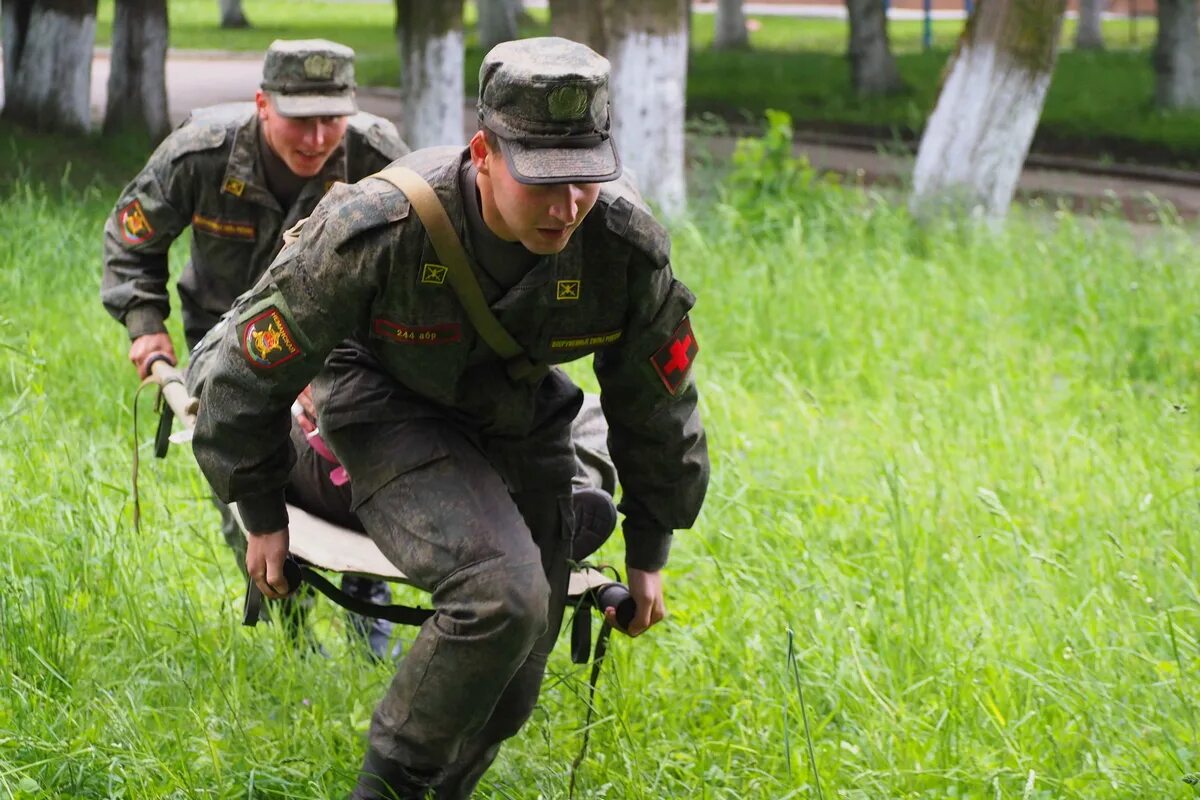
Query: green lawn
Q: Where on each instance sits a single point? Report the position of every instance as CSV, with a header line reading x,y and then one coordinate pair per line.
x,y
1099,103
958,466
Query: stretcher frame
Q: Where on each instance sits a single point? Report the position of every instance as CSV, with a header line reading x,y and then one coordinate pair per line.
x,y
315,542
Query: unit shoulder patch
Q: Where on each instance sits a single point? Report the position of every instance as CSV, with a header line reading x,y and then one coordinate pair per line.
x,y
135,228
673,361
267,342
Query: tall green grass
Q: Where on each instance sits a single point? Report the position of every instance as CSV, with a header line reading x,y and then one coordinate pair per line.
x,y
958,465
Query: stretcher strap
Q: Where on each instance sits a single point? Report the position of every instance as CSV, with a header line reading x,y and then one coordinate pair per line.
x,y
402,615
295,575
586,603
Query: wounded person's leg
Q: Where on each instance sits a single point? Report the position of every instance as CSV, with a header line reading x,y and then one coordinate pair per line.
x,y
311,487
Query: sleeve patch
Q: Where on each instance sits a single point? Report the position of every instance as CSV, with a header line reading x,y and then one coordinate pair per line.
x,y
673,361
267,342
135,228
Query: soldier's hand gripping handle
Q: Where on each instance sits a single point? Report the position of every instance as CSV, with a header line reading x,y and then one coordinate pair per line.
x,y
144,350
647,591
252,607
265,554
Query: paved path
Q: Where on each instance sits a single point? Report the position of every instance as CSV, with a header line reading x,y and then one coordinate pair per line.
x,y
199,79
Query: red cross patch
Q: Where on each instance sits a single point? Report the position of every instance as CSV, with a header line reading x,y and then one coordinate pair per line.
x,y
673,361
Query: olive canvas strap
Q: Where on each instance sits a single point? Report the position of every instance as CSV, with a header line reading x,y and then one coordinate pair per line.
x,y
459,273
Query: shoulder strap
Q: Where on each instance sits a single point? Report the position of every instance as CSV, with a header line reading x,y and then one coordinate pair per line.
x,y
458,271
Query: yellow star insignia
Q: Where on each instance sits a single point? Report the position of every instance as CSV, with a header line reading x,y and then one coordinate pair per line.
x,y
433,274
235,186
568,290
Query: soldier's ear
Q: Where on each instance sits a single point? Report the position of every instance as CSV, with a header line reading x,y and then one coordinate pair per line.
x,y
479,153
261,104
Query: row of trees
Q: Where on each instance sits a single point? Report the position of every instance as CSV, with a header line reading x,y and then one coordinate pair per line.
x,y
48,65
973,147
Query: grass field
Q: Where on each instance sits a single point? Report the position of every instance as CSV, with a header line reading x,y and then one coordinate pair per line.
x,y
958,467
1100,103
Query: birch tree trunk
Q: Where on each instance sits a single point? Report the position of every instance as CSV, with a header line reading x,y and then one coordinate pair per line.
x,y
648,43
497,22
430,38
581,21
979,133
232,15
1177,56
730,26
518,11
137,84
1089,35
873,70
14,22
48,63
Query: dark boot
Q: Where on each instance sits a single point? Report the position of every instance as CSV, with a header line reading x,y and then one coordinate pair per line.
x,y
381,779
374,633
595,520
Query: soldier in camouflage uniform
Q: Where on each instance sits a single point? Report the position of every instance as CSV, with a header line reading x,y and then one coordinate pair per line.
x,y
461,467
240,174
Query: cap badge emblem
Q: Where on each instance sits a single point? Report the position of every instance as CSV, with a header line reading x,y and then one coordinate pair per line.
x,y
318,67
568,103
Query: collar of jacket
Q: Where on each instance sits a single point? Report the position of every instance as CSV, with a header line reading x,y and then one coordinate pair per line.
x,y
245,168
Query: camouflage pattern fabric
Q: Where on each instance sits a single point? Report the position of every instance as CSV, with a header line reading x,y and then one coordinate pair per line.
x,y
310,78
460,475
207,174
547,101
362,269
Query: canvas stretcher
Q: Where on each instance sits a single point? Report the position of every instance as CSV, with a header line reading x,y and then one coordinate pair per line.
x,y
318,544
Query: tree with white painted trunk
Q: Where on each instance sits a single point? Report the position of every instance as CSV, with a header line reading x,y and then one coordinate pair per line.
x,y
648,44
497,22
580,21
978,136
1177,56
1090,35
137,85
519,13
873,70
730,26
232,15
430,37
48,63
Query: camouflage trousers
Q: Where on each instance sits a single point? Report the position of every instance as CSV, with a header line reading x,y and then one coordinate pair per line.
x,y
494,558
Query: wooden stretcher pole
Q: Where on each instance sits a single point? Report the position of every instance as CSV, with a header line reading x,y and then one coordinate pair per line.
x,y
175,392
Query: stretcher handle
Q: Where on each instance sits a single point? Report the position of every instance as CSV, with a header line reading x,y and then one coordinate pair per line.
x,y
174,390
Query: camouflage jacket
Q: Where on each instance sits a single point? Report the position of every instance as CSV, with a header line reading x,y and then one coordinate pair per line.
x,y
363,269
208,174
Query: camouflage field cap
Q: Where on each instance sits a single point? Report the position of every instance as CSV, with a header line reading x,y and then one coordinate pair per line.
x,y
310,78
546,99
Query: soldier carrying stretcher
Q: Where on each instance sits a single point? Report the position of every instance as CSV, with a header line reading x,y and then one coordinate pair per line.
x,y
426,304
